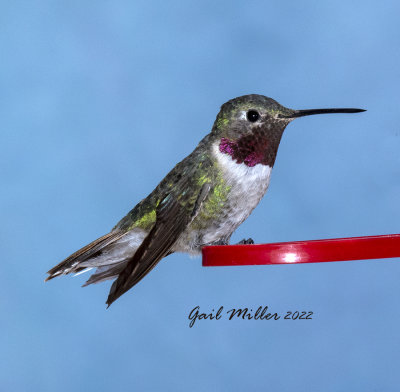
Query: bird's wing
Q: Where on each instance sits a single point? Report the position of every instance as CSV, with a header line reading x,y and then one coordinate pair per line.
x,y
172,217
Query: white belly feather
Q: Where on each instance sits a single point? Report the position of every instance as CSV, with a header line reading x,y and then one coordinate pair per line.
x,y
247,186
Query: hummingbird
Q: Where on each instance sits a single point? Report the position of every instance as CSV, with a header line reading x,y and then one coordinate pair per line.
x,y
200,202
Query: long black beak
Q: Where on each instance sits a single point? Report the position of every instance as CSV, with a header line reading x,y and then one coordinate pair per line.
x,y
309,112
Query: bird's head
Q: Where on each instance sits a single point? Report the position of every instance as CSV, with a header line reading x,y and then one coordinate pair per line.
x,y
249,128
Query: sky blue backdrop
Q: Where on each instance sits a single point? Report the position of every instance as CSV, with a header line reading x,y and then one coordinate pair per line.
x,y
98,100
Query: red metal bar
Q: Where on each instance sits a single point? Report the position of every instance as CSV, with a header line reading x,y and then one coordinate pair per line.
x,y
336,249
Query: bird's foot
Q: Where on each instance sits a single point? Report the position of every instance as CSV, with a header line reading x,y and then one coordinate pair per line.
x,y
249,241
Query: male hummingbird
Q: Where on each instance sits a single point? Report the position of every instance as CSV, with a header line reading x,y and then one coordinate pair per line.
x,y
200,202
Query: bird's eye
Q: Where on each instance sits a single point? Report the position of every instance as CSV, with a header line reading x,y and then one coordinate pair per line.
x,y
252,116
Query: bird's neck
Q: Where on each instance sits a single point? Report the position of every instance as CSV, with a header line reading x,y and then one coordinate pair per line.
x,y
252,149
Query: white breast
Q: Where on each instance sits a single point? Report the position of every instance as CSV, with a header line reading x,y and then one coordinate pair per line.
x,y
248,186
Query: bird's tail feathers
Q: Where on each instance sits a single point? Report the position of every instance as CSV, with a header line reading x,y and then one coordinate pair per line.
x,y
75,262
106,272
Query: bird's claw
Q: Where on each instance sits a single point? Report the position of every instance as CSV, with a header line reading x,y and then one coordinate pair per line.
x,y
249,241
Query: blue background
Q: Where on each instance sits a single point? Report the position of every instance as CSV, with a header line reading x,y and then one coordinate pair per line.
x,y
98,100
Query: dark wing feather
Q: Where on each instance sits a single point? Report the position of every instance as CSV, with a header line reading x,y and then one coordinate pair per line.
x,y
90,250
171,220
